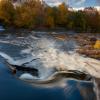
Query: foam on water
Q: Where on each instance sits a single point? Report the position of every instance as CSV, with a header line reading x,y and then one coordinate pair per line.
x,y
27,76
52,57
18,62
48,56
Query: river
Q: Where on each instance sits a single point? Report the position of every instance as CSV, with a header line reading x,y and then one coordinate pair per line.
x,y
53,81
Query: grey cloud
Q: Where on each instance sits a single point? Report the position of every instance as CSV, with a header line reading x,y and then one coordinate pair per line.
x,y
98,1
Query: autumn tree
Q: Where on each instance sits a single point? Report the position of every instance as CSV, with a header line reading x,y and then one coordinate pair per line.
x,y
39,10
92,19
29,14
6,12
24,17
34,14
49,18
63,14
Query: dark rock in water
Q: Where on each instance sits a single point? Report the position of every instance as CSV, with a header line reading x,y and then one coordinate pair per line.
x,y
78,75
14,71
93,39
15,68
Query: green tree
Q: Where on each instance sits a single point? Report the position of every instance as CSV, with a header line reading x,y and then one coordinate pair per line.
x,y
77,21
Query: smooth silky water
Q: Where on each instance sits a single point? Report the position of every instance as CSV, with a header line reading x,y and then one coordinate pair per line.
x,y
52,83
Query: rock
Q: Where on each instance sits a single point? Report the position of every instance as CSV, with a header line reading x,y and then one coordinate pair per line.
x,y
90,52
93,39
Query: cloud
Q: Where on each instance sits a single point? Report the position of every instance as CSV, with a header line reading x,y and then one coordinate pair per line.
x,y
79,1
98,2
76,2
54,2
70,2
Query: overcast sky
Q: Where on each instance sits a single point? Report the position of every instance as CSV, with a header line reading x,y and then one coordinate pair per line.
x,y
75,3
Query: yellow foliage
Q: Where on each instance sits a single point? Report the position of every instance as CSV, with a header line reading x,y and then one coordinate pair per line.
x,y
23,17
29,14
6,11
97,44
63,12
50,22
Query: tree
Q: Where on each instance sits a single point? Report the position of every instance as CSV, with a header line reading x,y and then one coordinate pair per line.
x,y
29,15
92,19
23,17
63,14
6,12
77,21
49,18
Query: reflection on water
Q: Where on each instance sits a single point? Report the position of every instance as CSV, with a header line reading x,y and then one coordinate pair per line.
x,y
14,89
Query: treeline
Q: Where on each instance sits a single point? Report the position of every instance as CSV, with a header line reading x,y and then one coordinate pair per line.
x,y
34,14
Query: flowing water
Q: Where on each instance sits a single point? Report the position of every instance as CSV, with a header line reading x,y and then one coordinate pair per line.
x,y
62,73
